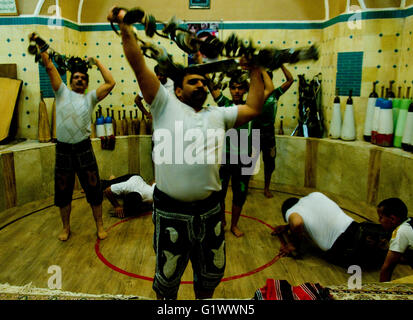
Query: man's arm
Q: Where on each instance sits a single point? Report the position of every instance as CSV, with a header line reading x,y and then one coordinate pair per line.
x,y
289,79
268,84
148,82
51,70
294,238
109,84
255,98
391,261
112,199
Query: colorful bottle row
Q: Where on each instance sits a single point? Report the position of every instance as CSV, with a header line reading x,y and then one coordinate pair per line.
x,y
389,120
108,126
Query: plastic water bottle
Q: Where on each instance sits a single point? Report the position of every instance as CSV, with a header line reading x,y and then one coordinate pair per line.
x,y
109,124
100,125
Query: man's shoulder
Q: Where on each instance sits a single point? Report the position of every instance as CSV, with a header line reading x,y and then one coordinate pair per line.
x,y
406,228
63,89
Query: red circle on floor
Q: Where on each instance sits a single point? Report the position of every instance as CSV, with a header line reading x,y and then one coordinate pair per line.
x,y
134,275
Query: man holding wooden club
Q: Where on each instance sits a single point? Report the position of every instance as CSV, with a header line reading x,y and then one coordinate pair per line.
x,y
74,152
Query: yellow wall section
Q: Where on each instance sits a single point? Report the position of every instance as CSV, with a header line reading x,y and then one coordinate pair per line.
x,y
235,10
69,9
382,3
387,45
336,7
26,6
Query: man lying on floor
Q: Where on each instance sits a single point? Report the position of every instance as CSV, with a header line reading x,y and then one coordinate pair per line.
x,y
343,241
135,193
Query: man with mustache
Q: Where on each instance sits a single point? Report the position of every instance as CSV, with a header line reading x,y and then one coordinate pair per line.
x,y
74,152
187,211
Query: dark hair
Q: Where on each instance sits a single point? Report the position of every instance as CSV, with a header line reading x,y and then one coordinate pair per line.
x,y
79,71
156,70
287,204
395,207
239,78
178,78
203,34
132,202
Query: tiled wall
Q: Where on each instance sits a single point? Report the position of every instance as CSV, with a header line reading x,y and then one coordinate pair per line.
x,y
13,49
386,43
33,174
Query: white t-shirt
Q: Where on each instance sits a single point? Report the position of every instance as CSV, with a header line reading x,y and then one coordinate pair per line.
x,y
134,184
169,85
73,114
188,146
402,238
324,221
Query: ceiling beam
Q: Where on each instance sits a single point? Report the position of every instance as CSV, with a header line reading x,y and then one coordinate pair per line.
x,y
38,7
79,12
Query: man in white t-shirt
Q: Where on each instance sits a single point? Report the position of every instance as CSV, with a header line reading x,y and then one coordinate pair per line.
x,y
314,215
392,214
187,212
136,194
74,152
343,240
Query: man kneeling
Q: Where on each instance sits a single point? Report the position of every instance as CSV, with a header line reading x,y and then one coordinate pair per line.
x,y
343,240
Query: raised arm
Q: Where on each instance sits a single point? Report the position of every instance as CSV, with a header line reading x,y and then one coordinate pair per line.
x,y
109,84
51,70
289,79
148,82
255,98
268,84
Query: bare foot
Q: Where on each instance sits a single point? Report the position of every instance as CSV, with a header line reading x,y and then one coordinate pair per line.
x,y
237,232
268,194
64,235
102,234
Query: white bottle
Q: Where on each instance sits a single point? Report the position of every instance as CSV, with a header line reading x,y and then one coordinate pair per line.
x,y
368,123
348,129
100,125
385,132
407,139
335,126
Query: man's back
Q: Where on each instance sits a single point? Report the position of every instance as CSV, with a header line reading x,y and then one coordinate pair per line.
x,y
324,221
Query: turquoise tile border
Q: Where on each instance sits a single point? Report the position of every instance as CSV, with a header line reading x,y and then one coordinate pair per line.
x,y
369,15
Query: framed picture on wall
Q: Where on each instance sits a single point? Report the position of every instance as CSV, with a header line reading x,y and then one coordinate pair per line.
x,y
198,4
8,8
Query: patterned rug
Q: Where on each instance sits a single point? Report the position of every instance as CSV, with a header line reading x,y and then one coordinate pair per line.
x,y
373,291
28,292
